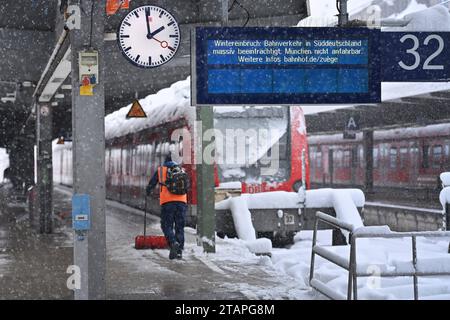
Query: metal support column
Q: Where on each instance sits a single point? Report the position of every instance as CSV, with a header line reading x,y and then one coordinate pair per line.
x,y
44,168
368,156
88,113
206,215
206,222
343,13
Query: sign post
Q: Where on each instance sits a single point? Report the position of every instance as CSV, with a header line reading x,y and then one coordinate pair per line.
x,y
88,121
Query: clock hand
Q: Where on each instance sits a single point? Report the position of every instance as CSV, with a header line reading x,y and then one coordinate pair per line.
x,y
147,15
163,44
152,34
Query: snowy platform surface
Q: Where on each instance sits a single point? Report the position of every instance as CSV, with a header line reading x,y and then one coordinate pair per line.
x,y
232,273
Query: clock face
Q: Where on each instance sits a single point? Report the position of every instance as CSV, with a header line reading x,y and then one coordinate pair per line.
x,y
149,36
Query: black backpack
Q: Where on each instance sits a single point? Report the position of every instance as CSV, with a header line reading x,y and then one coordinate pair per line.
x,y
177,180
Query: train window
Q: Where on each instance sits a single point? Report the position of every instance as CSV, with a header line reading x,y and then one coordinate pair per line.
x,y
283,147
447,148
318,159
346,159
393,158
180,147
355,157
403,157
360,156
425,157
437,156
375,157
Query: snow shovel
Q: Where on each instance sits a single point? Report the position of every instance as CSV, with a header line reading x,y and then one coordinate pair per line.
x,y
149,242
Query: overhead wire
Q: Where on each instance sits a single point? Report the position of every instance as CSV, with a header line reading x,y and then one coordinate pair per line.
x,y
245,9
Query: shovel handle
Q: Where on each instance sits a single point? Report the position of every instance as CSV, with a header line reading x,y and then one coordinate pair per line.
x,y
145,216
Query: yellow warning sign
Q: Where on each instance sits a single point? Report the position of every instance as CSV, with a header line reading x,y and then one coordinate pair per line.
x,y
136,111
87,90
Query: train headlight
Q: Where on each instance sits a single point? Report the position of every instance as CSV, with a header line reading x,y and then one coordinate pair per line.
x,y
280,214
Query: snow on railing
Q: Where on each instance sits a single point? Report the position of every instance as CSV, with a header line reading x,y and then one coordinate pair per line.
x,y
435,266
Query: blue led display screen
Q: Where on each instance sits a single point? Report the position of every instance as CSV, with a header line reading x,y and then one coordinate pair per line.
x,y
286,66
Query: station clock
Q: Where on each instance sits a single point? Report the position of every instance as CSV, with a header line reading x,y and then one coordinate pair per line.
x,y
148,36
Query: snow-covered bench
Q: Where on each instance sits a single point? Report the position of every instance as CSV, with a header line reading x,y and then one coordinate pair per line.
x,y
346,257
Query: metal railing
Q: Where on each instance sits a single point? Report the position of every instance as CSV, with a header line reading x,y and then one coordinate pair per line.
x,y
351,264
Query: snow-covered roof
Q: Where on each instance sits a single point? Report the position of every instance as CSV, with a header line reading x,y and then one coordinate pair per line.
x,y
436,130
164,106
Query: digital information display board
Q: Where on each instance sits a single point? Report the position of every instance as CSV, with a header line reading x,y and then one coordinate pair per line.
x,y
235,66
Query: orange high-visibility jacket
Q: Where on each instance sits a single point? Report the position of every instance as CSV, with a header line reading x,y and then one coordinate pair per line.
x,y
165,195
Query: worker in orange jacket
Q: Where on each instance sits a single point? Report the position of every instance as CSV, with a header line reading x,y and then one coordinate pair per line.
x,y
173,210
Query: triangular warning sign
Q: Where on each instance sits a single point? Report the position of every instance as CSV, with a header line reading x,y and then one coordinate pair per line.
x,y
60,140
136,111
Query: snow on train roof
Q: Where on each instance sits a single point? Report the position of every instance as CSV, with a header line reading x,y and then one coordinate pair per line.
x,y
165,105
422,18
436,130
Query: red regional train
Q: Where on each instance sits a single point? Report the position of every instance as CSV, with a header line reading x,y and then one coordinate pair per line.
x,y
409,159
136,147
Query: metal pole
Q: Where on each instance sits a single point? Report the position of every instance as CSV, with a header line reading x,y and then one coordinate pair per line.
x,y
368,154
353,266
45,169
414,254
225,4
343,13
205,186
206,219
88,113
311,272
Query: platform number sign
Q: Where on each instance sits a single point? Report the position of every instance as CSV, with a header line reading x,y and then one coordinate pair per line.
x,y
351,127
415,56
149,36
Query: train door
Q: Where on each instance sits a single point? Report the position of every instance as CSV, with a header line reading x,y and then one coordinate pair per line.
x,y
330,165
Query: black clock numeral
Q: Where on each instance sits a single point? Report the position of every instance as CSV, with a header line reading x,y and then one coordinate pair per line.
x,y
127,49
127,23
149,60
169,47
161,14
125,36
137,58
162,57
171,23
173,36
136,14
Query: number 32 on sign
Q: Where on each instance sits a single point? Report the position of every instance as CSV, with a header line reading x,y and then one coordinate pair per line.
x,y
415,56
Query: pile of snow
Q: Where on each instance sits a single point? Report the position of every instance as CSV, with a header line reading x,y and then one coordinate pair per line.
x,y
444,198
373,255
319,198
4,162
344,201
230,185
445,178
436,18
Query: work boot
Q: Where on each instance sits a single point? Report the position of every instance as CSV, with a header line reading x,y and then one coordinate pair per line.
x,y
180,253
174,247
